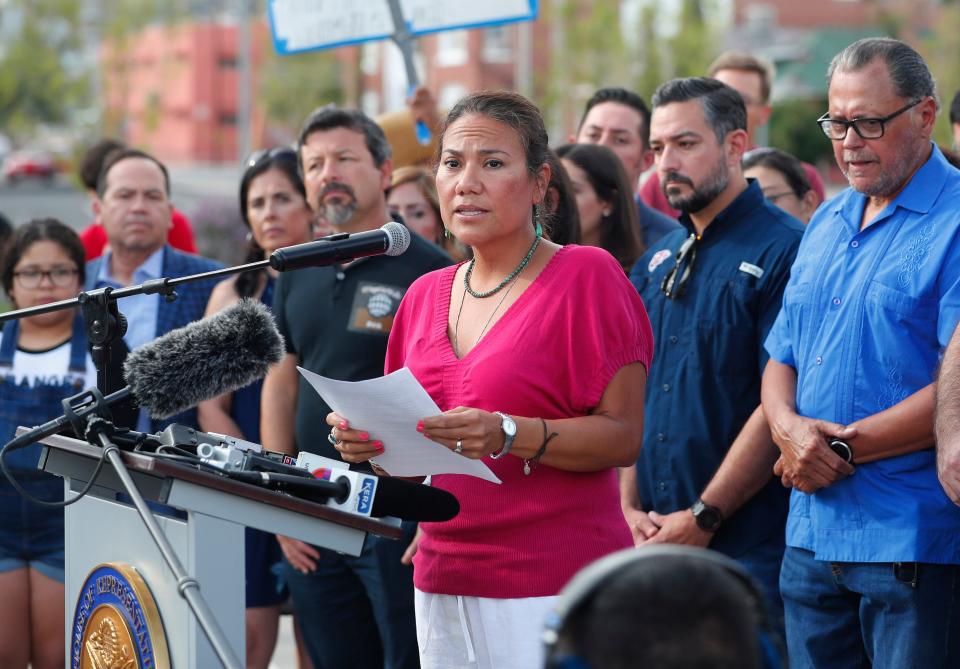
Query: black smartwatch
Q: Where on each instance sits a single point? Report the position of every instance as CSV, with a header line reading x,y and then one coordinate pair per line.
x,y
708,517
842,449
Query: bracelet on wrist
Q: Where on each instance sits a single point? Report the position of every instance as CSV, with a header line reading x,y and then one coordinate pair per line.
x,y
535,460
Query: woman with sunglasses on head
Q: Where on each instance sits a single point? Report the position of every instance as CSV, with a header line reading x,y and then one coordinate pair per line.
x,y
273,206
608,215
537,356
43,360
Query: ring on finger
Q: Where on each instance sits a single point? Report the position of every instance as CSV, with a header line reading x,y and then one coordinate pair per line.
x,y
459,447
332,439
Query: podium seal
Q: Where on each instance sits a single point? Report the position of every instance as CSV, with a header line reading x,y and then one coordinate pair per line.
x,y
116,624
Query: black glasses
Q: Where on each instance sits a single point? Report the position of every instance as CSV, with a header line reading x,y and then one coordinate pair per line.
x,y
867,127
61,277
674,283
276,153
773,197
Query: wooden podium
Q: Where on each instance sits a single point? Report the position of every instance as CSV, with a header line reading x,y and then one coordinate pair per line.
x,y
205,529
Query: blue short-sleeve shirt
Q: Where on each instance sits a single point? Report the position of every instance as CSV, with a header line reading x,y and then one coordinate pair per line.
x,y
708,359
865,317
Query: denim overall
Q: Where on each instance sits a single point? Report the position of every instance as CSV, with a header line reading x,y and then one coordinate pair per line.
x,y
31,535
262,550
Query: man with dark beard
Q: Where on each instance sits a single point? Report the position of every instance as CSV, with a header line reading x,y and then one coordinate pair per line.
x,y
335,321
712,290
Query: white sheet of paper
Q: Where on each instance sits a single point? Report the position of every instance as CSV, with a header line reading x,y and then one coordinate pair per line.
x,y
388,409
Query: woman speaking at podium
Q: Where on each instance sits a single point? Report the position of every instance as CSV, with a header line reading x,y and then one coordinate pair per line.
x,y
537,355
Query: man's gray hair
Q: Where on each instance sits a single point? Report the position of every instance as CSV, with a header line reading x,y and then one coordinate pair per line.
x,y
909,73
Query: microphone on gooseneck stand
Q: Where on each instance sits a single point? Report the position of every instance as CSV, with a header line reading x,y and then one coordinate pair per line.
x,y
392,239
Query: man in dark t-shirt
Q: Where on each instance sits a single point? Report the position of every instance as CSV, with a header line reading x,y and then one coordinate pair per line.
x,y
335,321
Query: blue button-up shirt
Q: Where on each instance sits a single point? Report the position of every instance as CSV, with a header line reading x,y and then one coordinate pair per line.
x,y
865,317
708,359
653,224
140,310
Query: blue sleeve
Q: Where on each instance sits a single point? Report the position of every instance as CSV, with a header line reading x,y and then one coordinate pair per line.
x,y
949,283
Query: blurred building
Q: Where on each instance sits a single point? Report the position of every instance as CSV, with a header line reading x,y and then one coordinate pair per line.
x,y
174,89
455,62
802,37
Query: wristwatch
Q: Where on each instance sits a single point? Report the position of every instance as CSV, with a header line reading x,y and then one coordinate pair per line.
x,y
842,449
509,434
708,517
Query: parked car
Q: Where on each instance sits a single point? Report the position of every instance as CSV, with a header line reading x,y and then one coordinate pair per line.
x,y
29,164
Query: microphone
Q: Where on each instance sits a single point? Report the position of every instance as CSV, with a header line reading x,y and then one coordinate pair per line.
x,y
392,240
407,500
364,494
204,359
177,371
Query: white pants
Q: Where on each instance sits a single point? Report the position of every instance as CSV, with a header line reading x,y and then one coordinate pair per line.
x,y
456,632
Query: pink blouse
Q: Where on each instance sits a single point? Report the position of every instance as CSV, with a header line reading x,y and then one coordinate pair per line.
x,y
551,355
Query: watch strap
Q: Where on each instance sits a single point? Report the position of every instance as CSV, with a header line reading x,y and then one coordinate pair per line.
x,y
507,437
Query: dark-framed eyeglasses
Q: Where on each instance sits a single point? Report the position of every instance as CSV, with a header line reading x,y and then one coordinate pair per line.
x,y
276,153
61,277
773,197
866,126
674,284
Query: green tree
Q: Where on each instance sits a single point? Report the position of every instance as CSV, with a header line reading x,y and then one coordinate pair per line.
x,y
290,87
941,49
792,129
649,52
692,48
39,78
588,52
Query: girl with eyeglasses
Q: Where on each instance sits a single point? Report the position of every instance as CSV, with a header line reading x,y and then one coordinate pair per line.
x,y
273,206
43,359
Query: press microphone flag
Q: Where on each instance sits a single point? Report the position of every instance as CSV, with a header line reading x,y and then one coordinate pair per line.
x,y
362,494
392,239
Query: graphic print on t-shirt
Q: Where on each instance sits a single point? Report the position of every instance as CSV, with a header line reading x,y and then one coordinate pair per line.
x,y
374,307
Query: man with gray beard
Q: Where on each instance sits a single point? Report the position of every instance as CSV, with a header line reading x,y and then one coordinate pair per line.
x,y
871,573
352,611
712,291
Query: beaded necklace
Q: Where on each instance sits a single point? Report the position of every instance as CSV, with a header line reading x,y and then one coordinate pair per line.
x,y
502,284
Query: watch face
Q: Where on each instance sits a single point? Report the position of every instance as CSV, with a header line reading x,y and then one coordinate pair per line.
x,y
707,517
508,426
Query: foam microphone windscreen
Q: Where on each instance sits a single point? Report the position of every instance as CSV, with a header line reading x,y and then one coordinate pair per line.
x,y
204,359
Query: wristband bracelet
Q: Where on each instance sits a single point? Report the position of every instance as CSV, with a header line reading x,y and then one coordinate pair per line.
x,y
535,460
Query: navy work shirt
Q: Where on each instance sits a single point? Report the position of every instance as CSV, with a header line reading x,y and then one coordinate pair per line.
x,y
654,224
709,357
